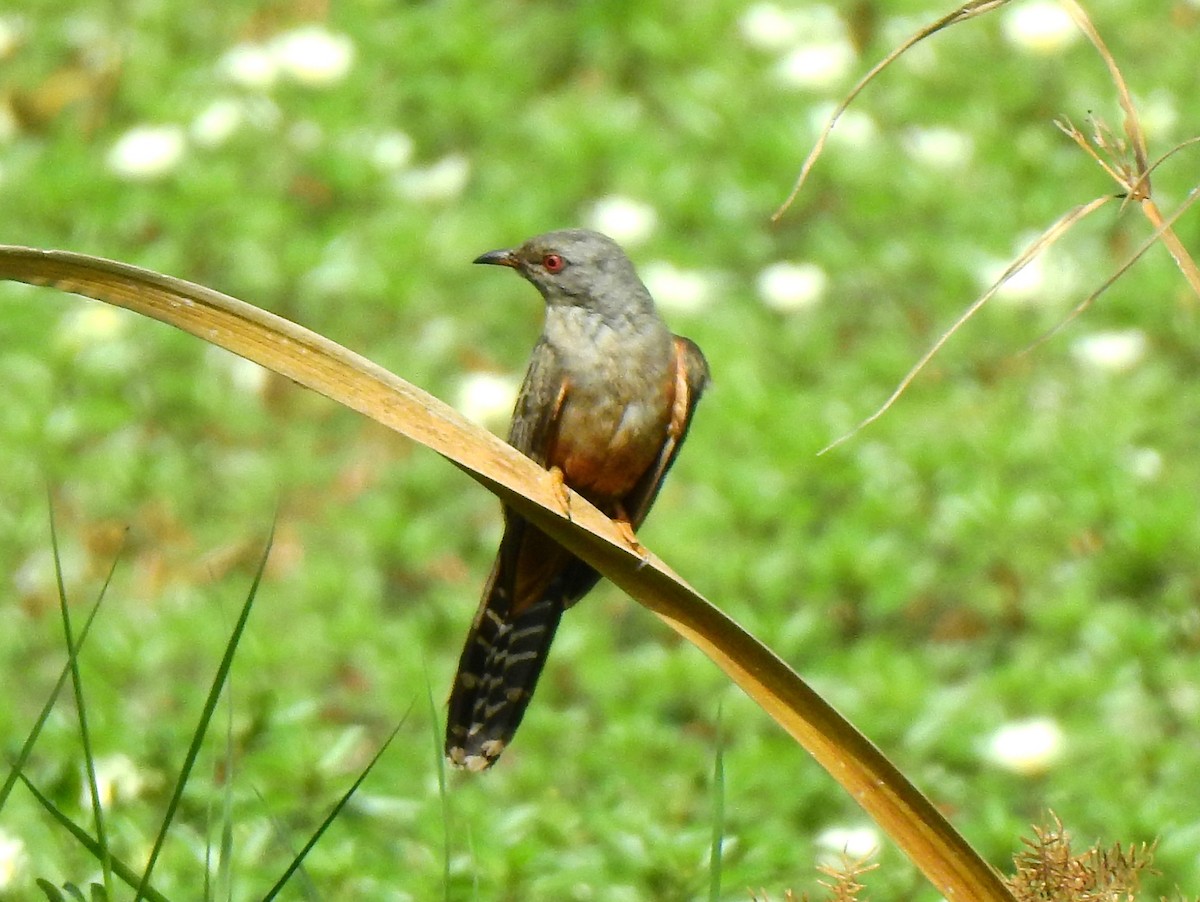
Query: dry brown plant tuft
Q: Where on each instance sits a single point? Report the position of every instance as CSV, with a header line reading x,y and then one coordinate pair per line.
x,y
1047,870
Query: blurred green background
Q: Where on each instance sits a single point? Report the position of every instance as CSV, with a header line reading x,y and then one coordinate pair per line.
x,y
997,582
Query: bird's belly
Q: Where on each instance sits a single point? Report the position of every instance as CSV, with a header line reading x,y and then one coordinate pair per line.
x,y
604,449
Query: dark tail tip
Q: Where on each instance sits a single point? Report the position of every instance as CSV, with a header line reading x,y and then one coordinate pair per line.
x,y
486,706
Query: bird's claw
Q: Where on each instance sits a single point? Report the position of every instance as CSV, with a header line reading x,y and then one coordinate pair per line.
x,y
625,528
558,485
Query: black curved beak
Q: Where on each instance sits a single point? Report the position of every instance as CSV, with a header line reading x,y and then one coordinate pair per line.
x,y
498,258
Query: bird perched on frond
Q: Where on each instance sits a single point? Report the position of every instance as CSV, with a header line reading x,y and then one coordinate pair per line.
x,y
606,403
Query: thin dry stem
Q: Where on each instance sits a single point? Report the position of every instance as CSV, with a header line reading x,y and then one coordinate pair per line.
x,y
1130,168
1192,197
1163,230
962,14
1043,241
1133,128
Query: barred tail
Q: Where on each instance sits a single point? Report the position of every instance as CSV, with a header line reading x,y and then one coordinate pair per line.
x,y
497,673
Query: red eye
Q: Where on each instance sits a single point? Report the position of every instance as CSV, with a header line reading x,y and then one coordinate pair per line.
x,y
553,263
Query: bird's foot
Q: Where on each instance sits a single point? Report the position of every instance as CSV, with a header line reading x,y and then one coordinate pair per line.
x,y
559,486
625,528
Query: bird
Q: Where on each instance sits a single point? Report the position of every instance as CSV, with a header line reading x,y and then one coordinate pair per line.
x,y
605,405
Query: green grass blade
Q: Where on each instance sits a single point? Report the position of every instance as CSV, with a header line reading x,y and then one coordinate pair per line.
x,y
81,709
225,860
53,893
18,766
124,872
439,756
333,813
718,816
210,705
307,888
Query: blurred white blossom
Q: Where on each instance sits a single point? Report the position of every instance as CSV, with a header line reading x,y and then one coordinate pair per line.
x,y
817,66
1026,286
305,134
1026,747
792,287
686,290
244,375
1145,464
8,121
10,35
939,147
217,122
147,152
313,56
391,151
767,26
12,859
250,65
1039,26
442,180
625,220
834,844
487,398
1158,114
91,324
1051,275
853,129
1114,351
117,779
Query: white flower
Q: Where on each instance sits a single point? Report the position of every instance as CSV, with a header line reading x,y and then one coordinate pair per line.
x,y
1040,26
686,290
147,152
305,134
1024,287
486,398
625,220
1158,114
837,843
217,122
312,56
391,151
91,324
10,35
1145,464
792,287
250,65
443,180
1114,351
816,66
854,128
244,375
117,779
768,27
939,147
12,859
1026,747
8,122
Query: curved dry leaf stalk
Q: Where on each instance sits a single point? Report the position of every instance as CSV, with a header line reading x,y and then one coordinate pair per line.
x,y
1043,241
962,14
325,367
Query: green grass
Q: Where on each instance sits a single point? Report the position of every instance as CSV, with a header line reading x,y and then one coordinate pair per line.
x,y
991,550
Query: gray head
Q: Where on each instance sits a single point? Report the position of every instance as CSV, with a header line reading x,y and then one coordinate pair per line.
x,y
580,268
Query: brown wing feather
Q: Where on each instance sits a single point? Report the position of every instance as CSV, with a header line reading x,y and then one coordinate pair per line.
x,y
539,403
691,378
